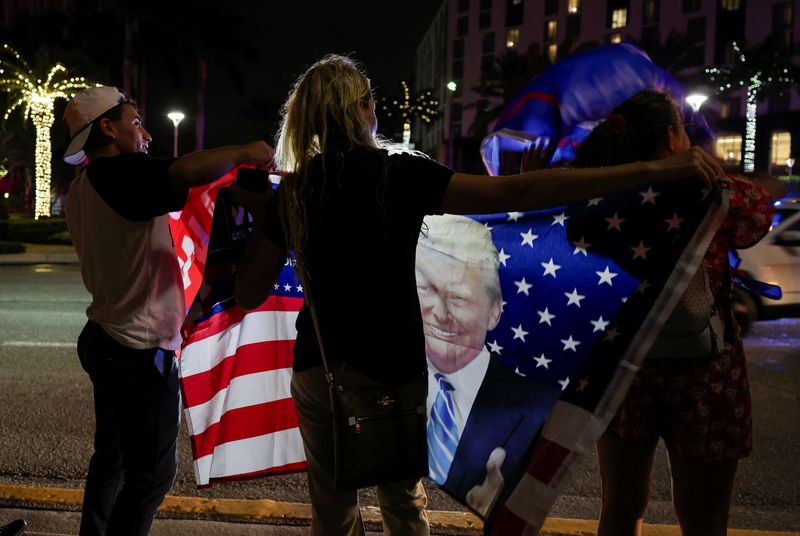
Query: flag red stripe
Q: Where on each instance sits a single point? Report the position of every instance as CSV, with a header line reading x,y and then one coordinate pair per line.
x,y
548,459
242,423
224,319
248,359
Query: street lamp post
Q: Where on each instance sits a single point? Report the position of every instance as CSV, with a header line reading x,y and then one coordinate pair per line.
x,y
176,118
790,164
452,86
696,100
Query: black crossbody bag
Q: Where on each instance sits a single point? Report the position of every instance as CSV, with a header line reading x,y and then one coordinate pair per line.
x,y
379,430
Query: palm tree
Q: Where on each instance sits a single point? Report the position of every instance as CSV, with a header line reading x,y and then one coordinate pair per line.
x,y
37,100
408,106
764,70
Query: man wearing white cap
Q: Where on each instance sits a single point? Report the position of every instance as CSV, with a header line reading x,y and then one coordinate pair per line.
x,y
117,211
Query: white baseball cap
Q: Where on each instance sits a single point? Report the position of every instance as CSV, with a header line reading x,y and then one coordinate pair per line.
x,y
81,111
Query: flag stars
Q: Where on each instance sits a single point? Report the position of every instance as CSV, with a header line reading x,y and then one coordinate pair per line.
x,y
674,223
287,287
519,333
563,383
582,384
644,285
599,324
503,257
277,286
514,216
640,251
528,238
560,219
594,202
615,222
570,344
495,348
649,196
550,268
581,246
299,288
611,334
523,287
545,317
573,298
542,361
606,276
519,372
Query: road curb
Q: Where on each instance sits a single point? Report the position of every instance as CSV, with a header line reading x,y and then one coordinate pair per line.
x,y
277,512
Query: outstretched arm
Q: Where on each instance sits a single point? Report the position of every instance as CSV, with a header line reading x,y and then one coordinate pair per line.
x,y
479,194
203,167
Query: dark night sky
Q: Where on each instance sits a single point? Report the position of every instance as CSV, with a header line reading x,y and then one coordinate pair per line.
x,y
289,36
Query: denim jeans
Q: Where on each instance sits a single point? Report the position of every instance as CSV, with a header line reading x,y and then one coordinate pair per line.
x,y
137,413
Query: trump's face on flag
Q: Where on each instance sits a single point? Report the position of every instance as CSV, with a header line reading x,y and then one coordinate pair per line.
x,y
458,288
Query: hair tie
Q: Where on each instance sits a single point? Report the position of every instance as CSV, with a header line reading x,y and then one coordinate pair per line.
x,y
617,120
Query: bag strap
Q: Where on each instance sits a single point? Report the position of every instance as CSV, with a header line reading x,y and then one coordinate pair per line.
x,y
315,320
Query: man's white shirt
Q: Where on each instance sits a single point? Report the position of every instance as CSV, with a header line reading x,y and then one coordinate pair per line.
x,y
465,382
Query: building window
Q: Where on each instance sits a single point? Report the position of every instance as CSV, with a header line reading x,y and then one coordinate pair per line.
x,y
696,30
550,7
552,52
458,68
573,29
485,20
573,6
487,64
550,31
512,38
458,49
730,5
463,26
650,12
513,13
463,5
615,38
729,148
487,45
619,18
781,148
691,5
782,16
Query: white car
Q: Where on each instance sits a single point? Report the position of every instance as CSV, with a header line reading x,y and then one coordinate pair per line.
x,y
774,259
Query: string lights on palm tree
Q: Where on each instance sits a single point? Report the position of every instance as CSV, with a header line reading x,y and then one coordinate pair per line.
x,y
766,69
37,99
424,106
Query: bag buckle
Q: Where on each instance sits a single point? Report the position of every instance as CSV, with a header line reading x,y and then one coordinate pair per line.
x,y
386,400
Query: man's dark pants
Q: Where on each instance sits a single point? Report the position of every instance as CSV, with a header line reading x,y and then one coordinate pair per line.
x,y
137,412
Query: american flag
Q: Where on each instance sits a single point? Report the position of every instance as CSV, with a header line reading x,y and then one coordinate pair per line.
x,y
235,367
586,289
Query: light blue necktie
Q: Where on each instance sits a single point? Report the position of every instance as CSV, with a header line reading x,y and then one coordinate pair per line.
x,y
442,432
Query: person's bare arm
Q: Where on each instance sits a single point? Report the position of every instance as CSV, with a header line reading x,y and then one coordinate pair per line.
x,y
203,167
479,194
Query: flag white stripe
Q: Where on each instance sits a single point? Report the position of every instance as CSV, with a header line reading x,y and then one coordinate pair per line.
x,y
249,455
573,428
262,326
242,391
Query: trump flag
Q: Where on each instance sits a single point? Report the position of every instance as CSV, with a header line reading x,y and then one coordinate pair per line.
x,y
581,293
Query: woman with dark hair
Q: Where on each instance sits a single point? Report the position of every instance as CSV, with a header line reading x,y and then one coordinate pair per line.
x,y
700,406
346,201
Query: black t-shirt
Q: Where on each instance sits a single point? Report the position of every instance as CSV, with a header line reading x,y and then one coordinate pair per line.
x,y
135,185
365,216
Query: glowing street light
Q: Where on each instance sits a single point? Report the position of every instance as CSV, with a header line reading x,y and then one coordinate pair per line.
x,y
452,86
790,164
176,118
37,98
696,100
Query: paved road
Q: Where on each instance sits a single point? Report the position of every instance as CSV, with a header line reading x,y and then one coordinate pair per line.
x,y
46,416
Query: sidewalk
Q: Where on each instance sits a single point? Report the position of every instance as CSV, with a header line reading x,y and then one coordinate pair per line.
x,y
41,254
55,512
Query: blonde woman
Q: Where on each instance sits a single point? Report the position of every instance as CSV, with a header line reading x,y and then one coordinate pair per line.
x,y
352,212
